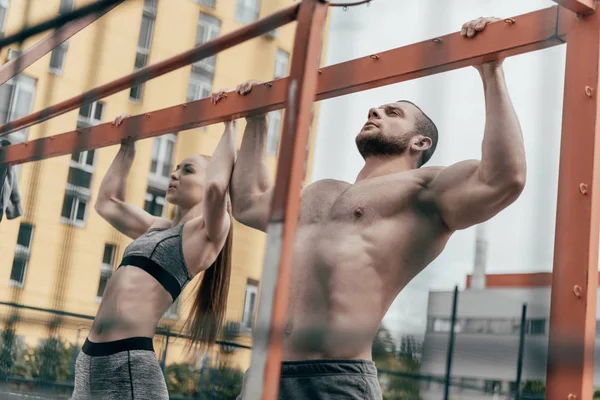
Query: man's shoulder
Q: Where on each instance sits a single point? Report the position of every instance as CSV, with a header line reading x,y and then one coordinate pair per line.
x,y
427,174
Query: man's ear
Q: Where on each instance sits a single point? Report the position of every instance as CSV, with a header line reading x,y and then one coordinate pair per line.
x,y
421,143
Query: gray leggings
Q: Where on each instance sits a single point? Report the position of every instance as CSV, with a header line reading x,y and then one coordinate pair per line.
x,y
121,370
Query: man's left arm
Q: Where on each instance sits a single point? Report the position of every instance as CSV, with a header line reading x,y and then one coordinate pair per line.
x,y
471,192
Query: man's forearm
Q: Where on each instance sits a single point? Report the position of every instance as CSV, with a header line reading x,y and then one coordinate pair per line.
x,y
251,173
503,153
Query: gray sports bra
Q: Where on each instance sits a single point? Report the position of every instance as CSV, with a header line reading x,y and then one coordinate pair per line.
x,y
159,252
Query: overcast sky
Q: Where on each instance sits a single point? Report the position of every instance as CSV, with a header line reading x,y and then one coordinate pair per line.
x,y
521,237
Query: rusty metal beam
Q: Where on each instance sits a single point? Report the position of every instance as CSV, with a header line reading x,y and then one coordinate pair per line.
x,y
529,32
49,42
570,369
57,22
267,353
200,52
581,7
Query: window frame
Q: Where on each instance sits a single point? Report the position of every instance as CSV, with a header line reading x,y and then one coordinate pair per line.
x,y
251,288
106,270
22,253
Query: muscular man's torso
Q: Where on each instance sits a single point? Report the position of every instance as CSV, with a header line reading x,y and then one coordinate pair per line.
x,y
356,247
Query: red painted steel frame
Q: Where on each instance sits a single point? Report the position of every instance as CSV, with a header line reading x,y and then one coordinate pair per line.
x,y
575,270
200,52
582,7
267,349
570,372
46,44
529,32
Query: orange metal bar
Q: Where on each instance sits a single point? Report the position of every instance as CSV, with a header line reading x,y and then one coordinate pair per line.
x,y
200,52
582,7
529,32
570,366
41,48
267,353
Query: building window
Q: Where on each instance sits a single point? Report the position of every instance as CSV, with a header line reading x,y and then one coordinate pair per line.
x,y
200,86
209,28
161,165
173,311
250,304
90,115
16,101
154,203
443,325
492,387
22,253
536,326
282,61
65,6
247,10
81,170
106,268
274,132
144,44
208,3
4,4
57,57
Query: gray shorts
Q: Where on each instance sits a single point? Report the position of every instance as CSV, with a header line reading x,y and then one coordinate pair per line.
x,y
121,370
327,380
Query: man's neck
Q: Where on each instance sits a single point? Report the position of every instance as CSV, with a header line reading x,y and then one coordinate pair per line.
x,y
384,165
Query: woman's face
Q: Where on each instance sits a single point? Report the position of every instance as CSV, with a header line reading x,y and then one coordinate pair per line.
x,y
186,184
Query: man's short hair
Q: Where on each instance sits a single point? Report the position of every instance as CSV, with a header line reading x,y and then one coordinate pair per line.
x,y
426,127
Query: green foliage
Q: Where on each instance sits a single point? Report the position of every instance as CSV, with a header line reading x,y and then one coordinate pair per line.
x,y
52,359
405,358
596,394
533,387
209,383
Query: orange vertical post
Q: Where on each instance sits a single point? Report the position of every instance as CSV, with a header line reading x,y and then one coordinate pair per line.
x,y
267,354
570,367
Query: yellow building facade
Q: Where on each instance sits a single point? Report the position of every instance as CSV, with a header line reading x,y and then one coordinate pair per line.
x,y
60,253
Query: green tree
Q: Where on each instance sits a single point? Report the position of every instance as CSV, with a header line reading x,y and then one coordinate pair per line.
x,y
533,387
182,379
51,360
403,359
220,383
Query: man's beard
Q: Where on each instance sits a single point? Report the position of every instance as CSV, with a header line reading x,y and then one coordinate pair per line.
x,y
379,145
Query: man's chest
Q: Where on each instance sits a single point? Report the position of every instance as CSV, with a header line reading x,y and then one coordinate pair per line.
x,y
368,200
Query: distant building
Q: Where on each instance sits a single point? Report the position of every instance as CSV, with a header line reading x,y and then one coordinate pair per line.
x,y
487,336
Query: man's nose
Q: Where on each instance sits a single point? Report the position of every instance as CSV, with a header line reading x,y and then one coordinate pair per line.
x,y
374,113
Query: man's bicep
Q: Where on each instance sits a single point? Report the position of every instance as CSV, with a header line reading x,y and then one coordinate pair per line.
x,y
461,197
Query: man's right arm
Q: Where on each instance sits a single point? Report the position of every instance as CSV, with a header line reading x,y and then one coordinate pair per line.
x,y
251,185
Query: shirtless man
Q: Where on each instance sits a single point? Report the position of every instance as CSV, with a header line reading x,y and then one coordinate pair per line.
x,y
358,245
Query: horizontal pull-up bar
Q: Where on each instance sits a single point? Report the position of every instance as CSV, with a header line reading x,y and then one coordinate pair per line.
x,y
49,42
581,7
198,53
59,21
521,34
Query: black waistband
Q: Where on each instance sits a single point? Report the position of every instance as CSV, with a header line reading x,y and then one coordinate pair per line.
x,y
108,348
165,278
319,367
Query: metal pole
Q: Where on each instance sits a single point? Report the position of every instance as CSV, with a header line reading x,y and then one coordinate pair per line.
x,y
521,348
450,345
530,32
142,75
265,369
570,369
163,362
